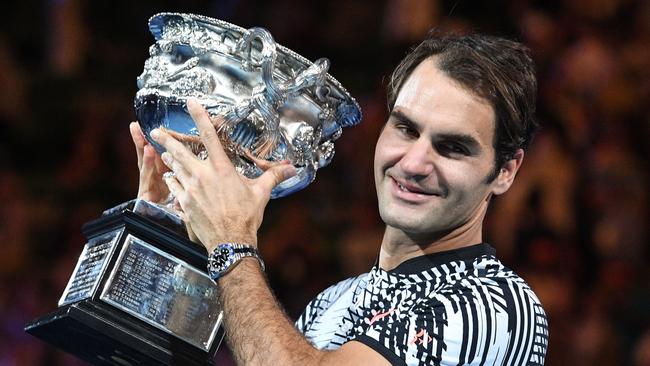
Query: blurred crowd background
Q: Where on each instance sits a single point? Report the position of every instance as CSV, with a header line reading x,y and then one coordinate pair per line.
x,y
575,224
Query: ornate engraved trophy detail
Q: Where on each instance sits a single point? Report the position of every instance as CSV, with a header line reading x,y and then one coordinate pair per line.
x,y
140,293
276,104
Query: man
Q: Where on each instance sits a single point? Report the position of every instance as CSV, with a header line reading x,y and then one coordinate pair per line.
x,y
461,115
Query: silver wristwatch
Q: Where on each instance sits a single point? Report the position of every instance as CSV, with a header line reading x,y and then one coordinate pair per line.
x,y
226,255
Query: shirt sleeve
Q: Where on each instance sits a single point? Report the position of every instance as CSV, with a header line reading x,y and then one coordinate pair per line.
x,y
310,323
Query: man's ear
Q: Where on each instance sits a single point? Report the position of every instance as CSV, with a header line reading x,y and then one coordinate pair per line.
x,y
507,173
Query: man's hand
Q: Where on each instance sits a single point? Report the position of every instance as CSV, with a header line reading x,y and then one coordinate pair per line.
x,y
151,167
219,204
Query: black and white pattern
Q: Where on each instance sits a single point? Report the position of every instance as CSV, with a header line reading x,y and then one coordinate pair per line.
x,y
460,307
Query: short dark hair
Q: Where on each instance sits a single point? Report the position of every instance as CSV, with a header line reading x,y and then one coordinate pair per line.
x,y
498,70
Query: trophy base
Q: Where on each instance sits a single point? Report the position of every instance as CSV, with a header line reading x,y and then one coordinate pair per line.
x,y
139,295
101,337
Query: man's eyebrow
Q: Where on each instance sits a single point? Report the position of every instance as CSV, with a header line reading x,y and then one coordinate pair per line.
x,y
464,139
398,115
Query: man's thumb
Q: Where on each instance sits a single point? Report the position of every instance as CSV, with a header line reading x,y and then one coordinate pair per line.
x,y
276,175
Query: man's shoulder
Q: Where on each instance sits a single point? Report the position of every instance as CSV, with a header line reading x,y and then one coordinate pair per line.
x,y
338,296
491,272
336,290
488,279
504,306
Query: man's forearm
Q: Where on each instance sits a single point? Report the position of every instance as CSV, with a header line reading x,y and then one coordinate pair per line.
x,y
257,329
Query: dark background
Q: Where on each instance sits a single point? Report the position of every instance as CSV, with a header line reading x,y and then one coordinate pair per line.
x,y
575,224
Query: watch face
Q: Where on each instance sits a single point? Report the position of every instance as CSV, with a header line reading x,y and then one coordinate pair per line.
x,y
222,257
224,254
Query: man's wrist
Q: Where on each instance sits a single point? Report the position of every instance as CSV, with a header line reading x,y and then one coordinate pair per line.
x,y
225,256
247,264
248,239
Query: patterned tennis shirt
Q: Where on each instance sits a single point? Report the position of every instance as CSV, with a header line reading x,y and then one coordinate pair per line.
x,y
459,307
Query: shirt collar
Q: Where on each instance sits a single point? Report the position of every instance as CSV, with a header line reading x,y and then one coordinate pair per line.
x,y
424,262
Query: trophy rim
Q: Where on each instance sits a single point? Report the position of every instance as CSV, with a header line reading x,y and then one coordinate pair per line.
x,y
156,25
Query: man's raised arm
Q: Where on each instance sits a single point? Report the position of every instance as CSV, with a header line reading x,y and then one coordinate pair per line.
x,y
222,206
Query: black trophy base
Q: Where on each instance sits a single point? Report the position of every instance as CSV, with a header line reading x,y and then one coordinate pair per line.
x,y
100,337
88,325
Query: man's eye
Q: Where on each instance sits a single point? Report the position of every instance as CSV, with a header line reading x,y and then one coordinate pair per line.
x,y
407,130
448,148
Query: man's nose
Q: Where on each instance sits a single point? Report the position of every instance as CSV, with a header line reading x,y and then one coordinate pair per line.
x,y
418,160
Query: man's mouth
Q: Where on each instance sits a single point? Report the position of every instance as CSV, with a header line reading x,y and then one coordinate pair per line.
x,y
402,187
410,188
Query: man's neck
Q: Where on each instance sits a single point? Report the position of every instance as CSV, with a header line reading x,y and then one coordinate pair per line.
x,y
398,246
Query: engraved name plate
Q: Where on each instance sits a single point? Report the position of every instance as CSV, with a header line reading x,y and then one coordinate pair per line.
x,y
89,268
164,291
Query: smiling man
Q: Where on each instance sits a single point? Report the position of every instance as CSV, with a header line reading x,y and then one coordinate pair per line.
x,y
461,115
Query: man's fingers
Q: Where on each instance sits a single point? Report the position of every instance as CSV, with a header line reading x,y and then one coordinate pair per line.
x,y
179,152
148,158
275,175
207,131
174,186
136,134
181,173
138,140
262,163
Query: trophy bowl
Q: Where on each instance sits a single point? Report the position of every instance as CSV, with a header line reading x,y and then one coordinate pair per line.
x,y
274,104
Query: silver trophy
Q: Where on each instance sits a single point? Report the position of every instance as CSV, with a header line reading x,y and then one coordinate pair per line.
x,y
140,293
276,104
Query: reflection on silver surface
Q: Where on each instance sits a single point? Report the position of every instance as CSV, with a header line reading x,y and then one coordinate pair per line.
x,y
164,291
89,268
276,105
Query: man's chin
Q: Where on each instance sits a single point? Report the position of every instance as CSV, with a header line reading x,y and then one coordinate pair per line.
x,y
409,225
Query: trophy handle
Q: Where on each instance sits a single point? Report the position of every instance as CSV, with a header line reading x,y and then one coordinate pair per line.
x,y
273,92
264,101
314,75
268,100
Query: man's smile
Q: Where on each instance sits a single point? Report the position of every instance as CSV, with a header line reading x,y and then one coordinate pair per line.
x,y
408,191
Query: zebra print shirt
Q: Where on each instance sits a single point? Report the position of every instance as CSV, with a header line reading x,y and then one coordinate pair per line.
x,y
460,307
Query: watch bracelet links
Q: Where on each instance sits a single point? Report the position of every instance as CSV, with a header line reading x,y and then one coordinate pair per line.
x,y
249,248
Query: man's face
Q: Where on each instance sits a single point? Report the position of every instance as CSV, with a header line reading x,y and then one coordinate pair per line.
x,y
434,155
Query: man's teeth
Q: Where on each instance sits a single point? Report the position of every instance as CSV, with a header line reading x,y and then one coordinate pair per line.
x,y
402,187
